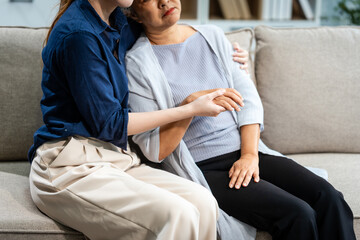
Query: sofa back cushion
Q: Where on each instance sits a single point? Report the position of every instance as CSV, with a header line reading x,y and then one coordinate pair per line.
x,y
20,79
309,83
244,37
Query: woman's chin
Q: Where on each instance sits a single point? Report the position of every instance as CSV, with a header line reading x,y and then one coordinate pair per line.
x,y
124,3
171,19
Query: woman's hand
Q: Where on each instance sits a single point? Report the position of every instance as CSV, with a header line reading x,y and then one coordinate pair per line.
x,y
230,100
241,56
205,106
243,170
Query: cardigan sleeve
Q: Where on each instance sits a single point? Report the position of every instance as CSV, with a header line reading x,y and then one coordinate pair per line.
x,y
141,100
253,111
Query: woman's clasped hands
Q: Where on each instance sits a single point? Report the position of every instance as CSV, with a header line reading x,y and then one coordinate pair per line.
x,y
223,99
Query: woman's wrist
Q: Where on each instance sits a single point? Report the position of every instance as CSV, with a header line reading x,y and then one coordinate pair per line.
x,y
250,154
187,110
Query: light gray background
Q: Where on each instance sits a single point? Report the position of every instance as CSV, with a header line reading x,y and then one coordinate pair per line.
x,y
40,13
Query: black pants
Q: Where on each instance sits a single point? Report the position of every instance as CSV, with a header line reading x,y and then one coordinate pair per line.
x,y
289,202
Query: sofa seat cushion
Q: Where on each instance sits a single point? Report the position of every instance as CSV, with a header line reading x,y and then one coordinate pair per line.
x,y
20,218
15,167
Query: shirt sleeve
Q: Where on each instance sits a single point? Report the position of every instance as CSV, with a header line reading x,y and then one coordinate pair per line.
x,y
88,77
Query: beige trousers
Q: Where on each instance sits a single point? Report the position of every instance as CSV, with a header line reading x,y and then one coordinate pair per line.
x,y
105,193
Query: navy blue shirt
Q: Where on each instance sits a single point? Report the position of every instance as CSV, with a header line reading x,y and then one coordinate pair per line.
x,y
84,79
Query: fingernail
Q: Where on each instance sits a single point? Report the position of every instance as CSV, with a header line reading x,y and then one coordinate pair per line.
x,y
244,184
237,186
231,185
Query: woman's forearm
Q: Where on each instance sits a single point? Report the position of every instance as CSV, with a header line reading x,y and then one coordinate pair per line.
x,y
144,121
171,135
140,122
250,135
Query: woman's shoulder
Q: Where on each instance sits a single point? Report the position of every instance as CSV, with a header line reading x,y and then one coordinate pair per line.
x,y
71,23
66,27
140,48
209,29
63,40
211,32
214,35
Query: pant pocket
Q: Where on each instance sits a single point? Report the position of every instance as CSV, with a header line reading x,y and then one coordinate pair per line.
x,y
81,157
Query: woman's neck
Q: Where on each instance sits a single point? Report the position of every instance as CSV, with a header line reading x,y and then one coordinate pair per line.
x,y
103,9
172,35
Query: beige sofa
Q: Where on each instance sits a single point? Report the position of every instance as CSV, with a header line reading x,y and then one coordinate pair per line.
x,y
308,79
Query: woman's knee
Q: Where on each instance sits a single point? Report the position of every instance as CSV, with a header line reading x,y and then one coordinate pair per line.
x,y
300,223
301,214
176,209
327,195
204,201
305,213
175,217
331,202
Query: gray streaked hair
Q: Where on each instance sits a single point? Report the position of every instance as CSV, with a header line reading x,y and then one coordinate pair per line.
x,y
128,11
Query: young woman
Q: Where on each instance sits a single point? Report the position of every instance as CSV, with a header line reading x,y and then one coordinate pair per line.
x,y
81,173
290,202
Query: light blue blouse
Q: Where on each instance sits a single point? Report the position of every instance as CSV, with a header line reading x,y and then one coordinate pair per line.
x,y
192,66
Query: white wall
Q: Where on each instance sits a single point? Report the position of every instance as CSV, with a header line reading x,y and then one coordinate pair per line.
x,y
39,13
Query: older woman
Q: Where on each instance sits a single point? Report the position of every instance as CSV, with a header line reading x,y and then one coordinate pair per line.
x,y
171,61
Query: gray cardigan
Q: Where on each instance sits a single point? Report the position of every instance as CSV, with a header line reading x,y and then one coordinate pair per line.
x,y
150,91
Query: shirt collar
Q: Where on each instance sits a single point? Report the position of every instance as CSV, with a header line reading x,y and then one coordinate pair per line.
x,y
117,18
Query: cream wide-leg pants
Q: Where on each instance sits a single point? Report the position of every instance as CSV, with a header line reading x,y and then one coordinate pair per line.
x,y
104,192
